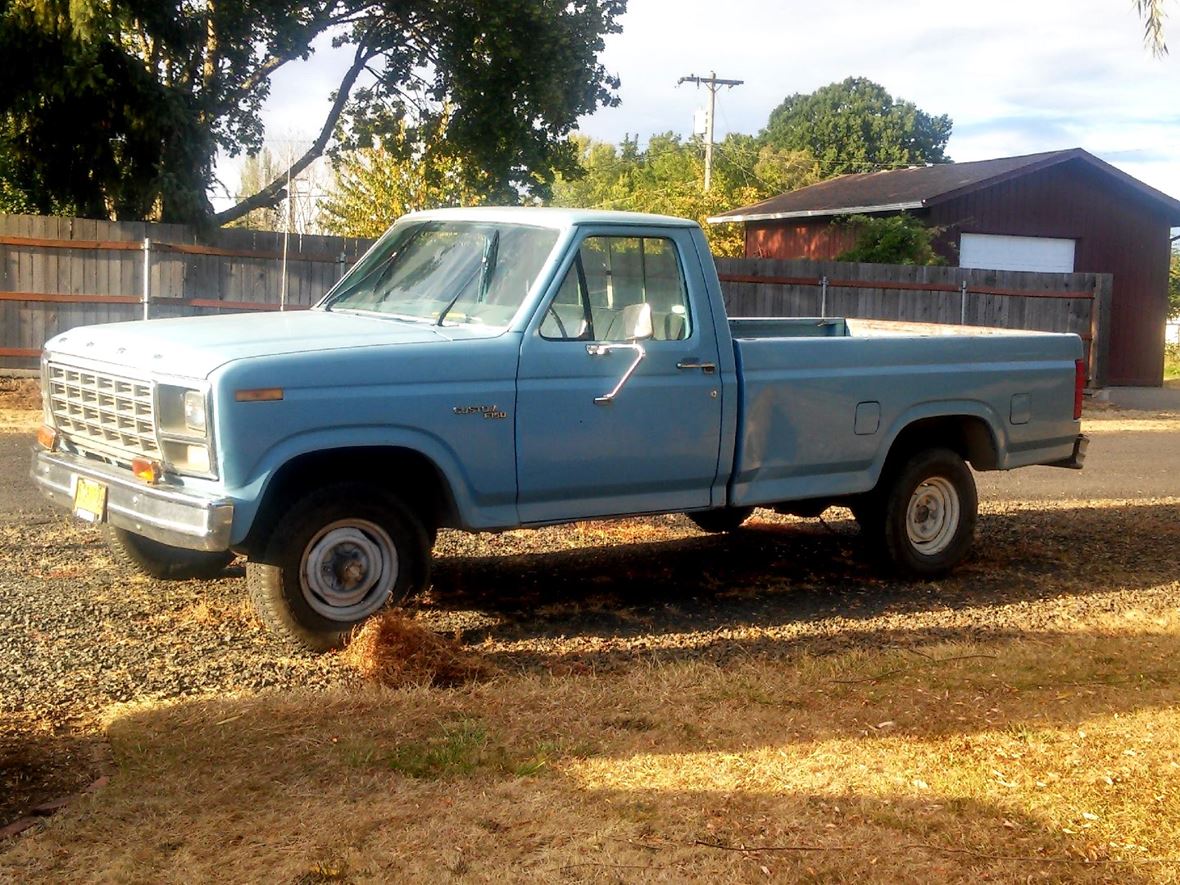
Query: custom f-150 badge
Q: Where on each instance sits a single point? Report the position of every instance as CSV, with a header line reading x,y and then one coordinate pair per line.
x,y
492,412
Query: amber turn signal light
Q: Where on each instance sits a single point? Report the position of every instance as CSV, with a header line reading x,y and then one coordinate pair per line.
x,y
259,395
47,437
148,471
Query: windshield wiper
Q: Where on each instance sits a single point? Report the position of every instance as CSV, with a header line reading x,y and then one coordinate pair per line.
x,y
487,268
381,314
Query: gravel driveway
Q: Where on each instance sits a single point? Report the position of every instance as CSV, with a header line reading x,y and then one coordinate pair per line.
x,y
81,633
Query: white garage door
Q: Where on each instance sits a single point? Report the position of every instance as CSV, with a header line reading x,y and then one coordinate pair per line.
x,y
1043,254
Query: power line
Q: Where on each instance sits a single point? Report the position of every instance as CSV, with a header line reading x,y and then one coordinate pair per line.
x,y
712,83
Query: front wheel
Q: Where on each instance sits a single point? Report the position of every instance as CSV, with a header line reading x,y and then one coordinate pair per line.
x,y
338,556
157,560
929,514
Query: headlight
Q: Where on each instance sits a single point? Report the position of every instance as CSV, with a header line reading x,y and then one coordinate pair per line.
x,y
194,410
180,411
183,424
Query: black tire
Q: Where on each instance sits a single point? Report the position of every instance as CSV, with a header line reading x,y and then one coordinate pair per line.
x,y
868,511
162,561
347,529
929,514
725,519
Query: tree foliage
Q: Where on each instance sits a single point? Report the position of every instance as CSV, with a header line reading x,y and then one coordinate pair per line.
x,y
1174,285
1152,14
857,126
894,239
667,178
119,107
375,186
258,170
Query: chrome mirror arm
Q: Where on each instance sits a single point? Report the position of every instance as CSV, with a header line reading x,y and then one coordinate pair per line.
x,y
603,350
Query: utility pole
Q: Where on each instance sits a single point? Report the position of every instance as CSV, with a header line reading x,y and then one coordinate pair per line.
x,y
712,84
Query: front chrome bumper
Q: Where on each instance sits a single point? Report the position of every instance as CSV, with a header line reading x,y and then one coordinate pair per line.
x,y
170,515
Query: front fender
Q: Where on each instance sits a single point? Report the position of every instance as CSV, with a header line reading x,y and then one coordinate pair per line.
x,y
474,513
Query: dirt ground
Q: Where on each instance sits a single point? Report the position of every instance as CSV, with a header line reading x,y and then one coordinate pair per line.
x,y
80,635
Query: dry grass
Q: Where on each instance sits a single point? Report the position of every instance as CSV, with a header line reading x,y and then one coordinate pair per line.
x,y
1054,756
19,420
20,405
1127,422
20,393
394,651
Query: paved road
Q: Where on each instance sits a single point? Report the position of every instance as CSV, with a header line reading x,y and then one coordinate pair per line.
x,y
1118,465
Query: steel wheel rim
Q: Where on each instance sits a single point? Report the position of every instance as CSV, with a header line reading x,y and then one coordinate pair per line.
x,y
348,570
932,517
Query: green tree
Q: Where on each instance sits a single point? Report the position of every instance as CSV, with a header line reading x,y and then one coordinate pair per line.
x,y
258,170
1174,285
857,126
119,107
893,239
375,186
667,178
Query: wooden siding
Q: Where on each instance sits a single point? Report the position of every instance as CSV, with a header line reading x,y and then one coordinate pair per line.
x,y
1118,232
816,239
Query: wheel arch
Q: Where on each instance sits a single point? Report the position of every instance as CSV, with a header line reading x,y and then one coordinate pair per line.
x,y
413,476
970,435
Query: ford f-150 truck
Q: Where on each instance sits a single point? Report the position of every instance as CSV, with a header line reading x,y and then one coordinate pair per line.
x,y
488,369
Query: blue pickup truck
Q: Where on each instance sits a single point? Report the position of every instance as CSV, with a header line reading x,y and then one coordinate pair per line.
x,y
487,369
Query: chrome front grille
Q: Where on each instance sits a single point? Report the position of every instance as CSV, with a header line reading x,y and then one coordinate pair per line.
x,y
103,413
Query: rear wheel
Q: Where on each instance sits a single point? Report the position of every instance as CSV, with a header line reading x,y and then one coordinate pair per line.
x,y
338,556
725,519
929,513
163,561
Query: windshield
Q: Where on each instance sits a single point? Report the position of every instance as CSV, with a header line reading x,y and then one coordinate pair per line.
x,y
446,272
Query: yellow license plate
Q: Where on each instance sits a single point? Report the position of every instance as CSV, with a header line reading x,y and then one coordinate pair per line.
x,y
90,500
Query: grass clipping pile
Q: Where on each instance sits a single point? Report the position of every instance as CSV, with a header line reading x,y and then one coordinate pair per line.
x,y
395,651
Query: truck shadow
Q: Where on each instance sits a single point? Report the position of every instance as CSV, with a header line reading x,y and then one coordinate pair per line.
x,y
780,571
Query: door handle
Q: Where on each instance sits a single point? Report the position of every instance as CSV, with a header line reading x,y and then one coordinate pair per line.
x,y
603,350
707,368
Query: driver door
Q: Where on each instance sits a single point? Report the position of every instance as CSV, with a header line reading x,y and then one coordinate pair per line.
x,y
618,394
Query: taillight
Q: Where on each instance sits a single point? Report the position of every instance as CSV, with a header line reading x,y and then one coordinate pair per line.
x,y
1079,386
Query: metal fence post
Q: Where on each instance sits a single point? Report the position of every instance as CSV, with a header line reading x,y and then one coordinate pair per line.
x,y
340,265
963,304
823,297
147,278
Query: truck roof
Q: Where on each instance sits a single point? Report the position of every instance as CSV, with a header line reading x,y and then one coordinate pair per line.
x,y
545,216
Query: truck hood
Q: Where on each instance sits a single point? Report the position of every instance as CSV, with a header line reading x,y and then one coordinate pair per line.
x,y
193,347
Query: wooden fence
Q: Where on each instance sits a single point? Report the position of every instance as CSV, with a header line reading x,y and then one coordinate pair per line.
x,y
57,273
1049,302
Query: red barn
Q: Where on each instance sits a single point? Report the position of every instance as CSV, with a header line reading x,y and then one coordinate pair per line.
x,y
1060,211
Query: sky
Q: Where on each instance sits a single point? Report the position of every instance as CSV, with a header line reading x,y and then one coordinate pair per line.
x,y
1015,76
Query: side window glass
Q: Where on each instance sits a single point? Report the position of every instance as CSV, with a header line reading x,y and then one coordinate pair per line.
x,y
614,287
568,316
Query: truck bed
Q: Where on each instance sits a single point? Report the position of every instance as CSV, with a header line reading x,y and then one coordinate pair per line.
x,y
820,404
